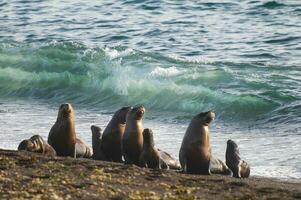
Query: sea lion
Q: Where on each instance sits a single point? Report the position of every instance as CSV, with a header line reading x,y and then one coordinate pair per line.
x,y
217,166
132,141
168,162
195,151
239,167
62,135
38,145
96,143
150,156
112,135
82,149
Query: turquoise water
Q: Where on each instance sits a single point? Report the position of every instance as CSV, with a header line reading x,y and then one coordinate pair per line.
x,y
240,59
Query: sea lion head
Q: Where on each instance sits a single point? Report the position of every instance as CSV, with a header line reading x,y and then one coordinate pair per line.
x,y
205,118
65,111
136,113
148,137
96,131
231,144
121,114
26,145
232,148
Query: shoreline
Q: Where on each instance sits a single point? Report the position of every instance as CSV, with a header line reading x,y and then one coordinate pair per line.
x,y
35,176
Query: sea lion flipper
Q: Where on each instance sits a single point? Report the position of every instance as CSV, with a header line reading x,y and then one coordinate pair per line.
x,y
142,162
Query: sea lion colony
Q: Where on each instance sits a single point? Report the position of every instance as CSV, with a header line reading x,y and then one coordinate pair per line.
x,y
125,140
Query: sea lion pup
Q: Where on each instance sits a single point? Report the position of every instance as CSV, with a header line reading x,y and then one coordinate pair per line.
x,y
239,167
38,145
217,166
132,141
62,136
168,162
96,143
82,149
112,135
195,151
150,156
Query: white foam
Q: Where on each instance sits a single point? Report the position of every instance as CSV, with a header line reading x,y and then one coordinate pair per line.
x,y
166,72
282,172
193,59
113,53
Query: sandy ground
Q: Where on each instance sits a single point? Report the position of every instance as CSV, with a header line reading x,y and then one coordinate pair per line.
x,y
26,175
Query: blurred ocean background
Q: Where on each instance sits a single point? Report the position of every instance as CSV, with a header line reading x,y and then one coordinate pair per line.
x,y
241,59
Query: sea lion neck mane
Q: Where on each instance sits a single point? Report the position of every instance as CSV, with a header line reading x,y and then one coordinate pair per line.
x,y
65,119
134,119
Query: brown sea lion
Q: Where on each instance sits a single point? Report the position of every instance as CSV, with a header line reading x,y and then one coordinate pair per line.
x,y
38,145
112,136
150,156
132,141
195,152
96,143
239,167
62,136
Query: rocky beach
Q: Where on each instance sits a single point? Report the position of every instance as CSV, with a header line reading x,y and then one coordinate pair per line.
x,y
25,175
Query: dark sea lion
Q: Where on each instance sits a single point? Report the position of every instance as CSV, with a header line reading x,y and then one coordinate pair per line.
x,y
112,136
132,141
96,143
195,152
38,145
62,136
239,167
150,156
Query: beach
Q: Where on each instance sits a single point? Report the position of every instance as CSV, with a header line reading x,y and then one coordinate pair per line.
x,y
25,175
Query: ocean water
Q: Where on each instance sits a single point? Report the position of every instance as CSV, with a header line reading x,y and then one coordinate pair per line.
x,y
241,59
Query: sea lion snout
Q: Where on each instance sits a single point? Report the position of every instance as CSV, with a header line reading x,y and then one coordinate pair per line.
x,y
206,117
26,145
66,108
139,111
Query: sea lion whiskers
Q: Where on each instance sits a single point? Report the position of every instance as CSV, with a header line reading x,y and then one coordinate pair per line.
x,y
65,112
205,117
139,112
